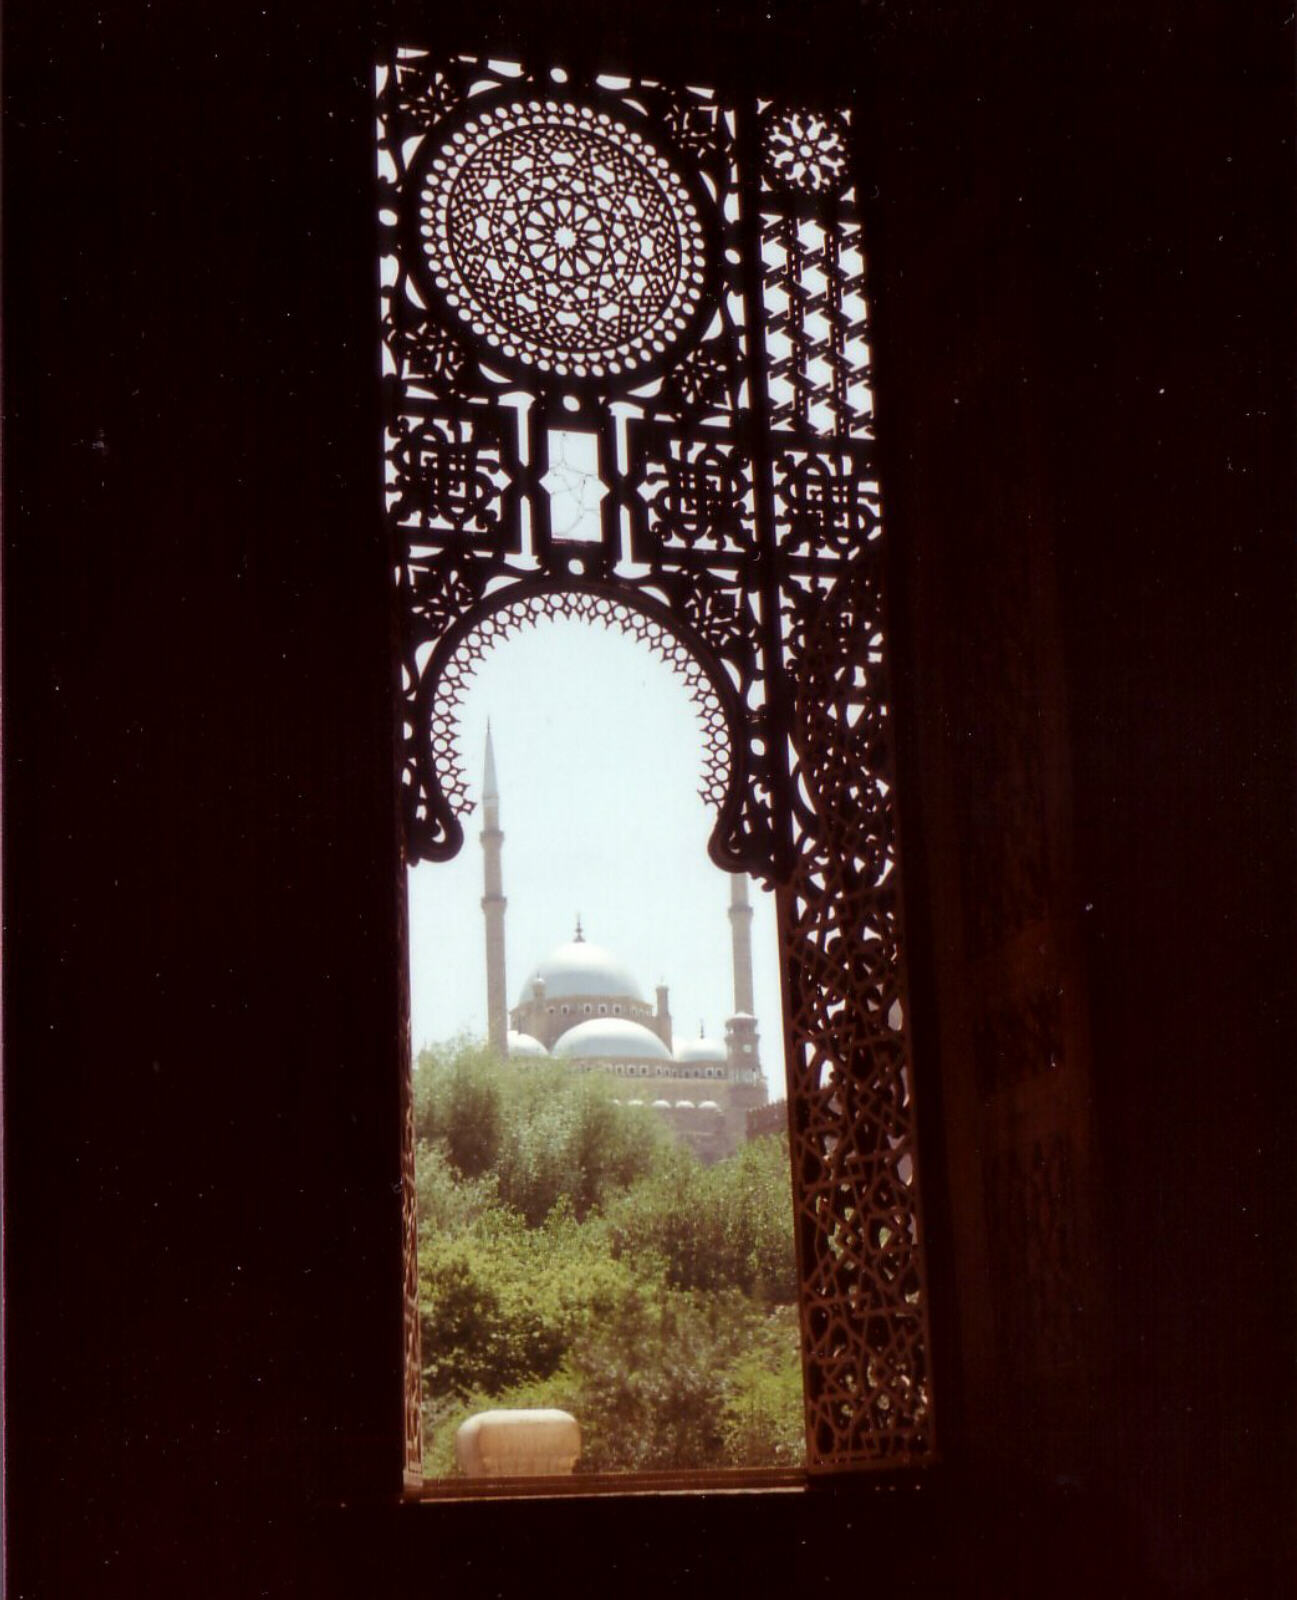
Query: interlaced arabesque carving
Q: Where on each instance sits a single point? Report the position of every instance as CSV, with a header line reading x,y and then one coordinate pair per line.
x,y
825,500
562,237
852,1125
696,493
588,261
447,472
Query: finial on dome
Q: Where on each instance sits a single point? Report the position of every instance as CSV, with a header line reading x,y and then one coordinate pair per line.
x,y
580,937
490,789
702,1032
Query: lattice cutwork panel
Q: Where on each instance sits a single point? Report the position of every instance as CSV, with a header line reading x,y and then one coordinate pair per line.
x,y
864,1319
573,260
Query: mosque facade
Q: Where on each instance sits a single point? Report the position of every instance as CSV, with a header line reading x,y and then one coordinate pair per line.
x,y
583,1007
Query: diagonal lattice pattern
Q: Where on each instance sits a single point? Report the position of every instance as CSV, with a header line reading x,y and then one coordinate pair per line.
x,y
816,332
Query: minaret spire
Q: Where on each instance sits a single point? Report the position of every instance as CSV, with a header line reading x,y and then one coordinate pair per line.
x,y
493,906
741,935
490,784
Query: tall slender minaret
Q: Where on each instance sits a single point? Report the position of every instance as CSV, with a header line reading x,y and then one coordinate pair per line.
x,y
741,933
747,1086
493,904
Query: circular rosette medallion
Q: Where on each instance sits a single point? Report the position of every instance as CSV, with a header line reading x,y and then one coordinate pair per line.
x,y
562,238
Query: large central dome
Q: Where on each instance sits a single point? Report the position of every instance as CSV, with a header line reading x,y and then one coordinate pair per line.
x,y
580,968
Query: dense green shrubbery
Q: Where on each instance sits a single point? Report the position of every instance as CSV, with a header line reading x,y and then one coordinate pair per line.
x,y
545,1133
570,1255
726,1226
665,1380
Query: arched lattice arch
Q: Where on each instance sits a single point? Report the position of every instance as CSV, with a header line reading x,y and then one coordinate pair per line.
x,y
454,660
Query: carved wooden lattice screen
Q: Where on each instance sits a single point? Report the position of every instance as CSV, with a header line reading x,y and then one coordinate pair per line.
x,y
668,290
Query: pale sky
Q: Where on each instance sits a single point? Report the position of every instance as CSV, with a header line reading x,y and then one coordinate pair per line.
x,y
598,754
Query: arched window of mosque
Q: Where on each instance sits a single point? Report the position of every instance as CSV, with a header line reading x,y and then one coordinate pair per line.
x,y
626,373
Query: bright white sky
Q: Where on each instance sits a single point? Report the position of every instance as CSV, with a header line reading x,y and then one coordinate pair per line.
x,y
598,754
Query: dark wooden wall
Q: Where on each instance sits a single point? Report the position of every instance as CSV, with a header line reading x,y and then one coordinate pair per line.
x,y
1082,271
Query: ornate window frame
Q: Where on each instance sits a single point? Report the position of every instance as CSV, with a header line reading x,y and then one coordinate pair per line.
x,y
706,331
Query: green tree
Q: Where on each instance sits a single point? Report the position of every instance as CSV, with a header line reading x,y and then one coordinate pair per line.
x,y
446,1203
764,1410
546,1133
458,1100
501,1303
730,1225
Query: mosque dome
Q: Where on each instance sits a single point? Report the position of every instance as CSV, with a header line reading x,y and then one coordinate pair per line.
x,y
701,1049
615,1038
582,968
522,1044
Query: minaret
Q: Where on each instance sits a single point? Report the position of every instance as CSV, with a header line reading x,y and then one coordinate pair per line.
x,y
747,1085
741,933
493,904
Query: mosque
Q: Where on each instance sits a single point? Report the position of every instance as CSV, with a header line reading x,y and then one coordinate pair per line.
x,y
582,1006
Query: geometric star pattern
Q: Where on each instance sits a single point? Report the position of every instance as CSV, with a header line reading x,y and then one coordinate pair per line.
x,y
563,238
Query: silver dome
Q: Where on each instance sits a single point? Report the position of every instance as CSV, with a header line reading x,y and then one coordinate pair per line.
x,y
581,968
611,1038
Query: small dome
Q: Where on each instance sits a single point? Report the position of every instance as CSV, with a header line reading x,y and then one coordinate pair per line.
x,y
684,1105
582,968
702,1050
611,1038
661,1105
634,1102
522,1044
708,1105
